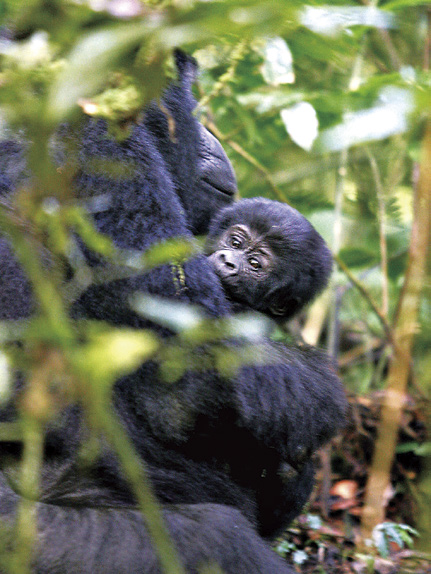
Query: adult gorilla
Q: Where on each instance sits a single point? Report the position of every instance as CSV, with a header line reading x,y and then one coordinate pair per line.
x,y
229,459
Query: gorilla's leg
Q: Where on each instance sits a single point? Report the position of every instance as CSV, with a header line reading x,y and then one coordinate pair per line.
x,y
88,540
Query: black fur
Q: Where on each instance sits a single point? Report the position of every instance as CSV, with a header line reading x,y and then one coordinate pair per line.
x,y
230,460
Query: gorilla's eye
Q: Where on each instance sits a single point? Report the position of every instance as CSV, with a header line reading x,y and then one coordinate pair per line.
x,y
235,242
278,310
255,263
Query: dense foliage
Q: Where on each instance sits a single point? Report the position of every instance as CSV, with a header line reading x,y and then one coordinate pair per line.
x,y
324,106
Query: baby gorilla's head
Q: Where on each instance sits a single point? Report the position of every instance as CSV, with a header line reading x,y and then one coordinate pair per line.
x,y
268,256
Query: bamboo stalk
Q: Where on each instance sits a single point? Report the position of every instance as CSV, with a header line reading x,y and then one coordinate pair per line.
x,y
403,334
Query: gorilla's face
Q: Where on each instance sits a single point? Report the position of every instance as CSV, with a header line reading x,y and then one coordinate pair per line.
x,y
268,256
244,260
214,168
241,255
216,183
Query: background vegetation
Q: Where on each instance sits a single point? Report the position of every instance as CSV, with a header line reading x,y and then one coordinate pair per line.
x,y
326,107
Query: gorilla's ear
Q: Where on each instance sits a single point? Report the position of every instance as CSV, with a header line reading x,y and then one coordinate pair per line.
x,y
187,68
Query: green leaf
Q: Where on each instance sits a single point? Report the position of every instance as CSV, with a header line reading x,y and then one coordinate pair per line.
x,y
275,100
406,538
175,250
424,449
314,522
393,533
172,314
399,4
81,222
380,542
299,557
358,257
285,547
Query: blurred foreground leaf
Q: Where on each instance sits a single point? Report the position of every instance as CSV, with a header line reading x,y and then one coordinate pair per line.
x,y
331,20
111,353
278,65
389,117
89,65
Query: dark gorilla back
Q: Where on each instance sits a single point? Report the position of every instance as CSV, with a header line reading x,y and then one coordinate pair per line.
x,y
223,469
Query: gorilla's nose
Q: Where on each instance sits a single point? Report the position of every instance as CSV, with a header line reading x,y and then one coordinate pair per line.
x,y
227,263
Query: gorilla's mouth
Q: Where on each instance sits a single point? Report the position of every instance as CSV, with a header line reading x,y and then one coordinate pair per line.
x,y
233,291
218,186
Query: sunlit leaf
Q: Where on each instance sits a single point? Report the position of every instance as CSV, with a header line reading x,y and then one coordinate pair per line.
x,y
285,547
172,314
387,118
314,521
301,124
331,20
175,250
249,326
299,557
111,353
381,542
82,224
180,316
401,534
5,377
424,449
30,53
277,68
268,102
394,535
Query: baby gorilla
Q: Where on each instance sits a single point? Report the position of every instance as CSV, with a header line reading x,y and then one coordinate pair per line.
x,y
268,256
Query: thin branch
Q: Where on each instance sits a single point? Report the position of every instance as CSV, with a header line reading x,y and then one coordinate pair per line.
x,y
427,48
386,40
382,231
134,468
236,56
390,48
367,296
336,244
26,525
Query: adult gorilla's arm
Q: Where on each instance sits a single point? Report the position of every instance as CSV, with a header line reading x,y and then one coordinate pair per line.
x,y
202,173
182,164
295,402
